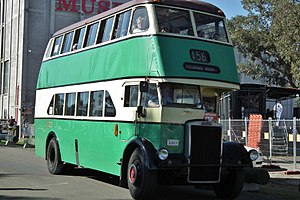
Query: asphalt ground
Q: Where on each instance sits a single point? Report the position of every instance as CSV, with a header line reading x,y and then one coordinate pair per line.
x,y
284,177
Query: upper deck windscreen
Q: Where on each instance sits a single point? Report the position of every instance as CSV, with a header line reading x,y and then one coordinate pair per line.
x,y
178,21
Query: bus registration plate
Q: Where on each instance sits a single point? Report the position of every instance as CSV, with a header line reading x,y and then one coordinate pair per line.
x,y
173,143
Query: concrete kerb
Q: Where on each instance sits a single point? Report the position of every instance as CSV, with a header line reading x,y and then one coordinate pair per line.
x,y
282,178
283,173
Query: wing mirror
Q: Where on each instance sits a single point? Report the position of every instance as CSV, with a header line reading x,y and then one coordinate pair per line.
x,y
144,85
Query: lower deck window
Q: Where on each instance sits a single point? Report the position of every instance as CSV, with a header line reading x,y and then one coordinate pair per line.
x,y
92,104
96,103
82,103
59,104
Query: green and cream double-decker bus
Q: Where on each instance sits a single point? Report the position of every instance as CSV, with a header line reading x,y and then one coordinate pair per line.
x,y
123,93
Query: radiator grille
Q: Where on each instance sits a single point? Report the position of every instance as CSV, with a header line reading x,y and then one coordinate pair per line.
x,y
205,148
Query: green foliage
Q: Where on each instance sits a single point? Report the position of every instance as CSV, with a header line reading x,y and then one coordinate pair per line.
x,y
270,37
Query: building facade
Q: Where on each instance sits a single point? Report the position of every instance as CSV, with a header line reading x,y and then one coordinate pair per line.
x,y
26,27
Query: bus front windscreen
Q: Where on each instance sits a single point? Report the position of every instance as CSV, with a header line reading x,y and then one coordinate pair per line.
x,y
180,95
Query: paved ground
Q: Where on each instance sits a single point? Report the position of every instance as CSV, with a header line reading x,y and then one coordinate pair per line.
x,y
284,182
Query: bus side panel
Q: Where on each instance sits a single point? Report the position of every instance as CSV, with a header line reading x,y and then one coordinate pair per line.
x,y
65,132
113,61
62,130
98,147
40,138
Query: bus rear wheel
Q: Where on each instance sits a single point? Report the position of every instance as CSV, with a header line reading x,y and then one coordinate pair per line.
x,y
54,163
231,186
141,181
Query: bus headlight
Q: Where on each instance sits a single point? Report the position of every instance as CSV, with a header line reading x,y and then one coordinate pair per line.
x,y
163,154
253,155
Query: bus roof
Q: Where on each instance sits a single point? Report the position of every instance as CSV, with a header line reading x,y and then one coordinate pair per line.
x,y
190,4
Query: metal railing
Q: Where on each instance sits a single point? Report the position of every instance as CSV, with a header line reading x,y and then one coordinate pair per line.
x,y
277,143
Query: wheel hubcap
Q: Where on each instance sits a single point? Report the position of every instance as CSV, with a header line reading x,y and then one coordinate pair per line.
x,y
133,174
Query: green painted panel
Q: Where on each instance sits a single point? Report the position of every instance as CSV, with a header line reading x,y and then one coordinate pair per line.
x,y
40,138
142,56
129,58
158,134
175,52
98,147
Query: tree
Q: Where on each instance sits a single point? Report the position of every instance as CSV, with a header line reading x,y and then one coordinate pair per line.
x,y
270,37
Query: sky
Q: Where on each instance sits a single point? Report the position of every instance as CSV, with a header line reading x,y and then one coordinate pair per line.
x,y
231,8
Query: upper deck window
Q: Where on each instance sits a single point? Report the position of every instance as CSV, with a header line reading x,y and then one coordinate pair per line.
x,y
91,34
57,45
79,38
140,20
49,48
174,21
121,27
67,42
105,30
210,27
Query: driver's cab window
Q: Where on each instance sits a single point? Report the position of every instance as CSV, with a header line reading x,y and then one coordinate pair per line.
x,y
131,96
180,95
140,20
167,95
209,104
150,98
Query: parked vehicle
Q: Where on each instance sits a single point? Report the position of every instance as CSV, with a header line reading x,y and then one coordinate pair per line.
x,y
256,155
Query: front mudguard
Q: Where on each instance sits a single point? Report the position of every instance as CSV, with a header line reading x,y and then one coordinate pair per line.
x,y
148,151
235,154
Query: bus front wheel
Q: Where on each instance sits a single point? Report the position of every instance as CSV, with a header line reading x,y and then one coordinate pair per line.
x,y
141,181
231,186
54,163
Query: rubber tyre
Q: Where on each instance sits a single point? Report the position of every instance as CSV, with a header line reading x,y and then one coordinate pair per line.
x,y
231,186
142,182
54,163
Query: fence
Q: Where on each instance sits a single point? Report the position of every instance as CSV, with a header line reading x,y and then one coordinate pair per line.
x,y
277,139
8,133
12,134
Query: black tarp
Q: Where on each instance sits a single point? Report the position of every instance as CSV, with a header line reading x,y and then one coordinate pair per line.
x,y
281,93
